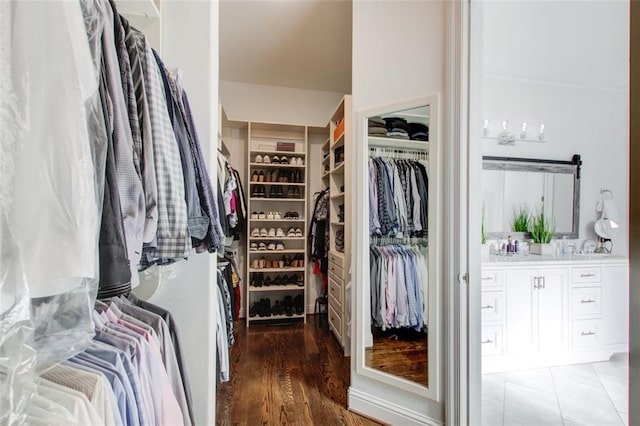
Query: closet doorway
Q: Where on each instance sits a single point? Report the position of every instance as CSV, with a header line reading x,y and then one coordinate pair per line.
x,y
283,66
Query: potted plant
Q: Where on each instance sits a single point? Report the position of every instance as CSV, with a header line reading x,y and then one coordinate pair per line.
x,y
542,231
521,220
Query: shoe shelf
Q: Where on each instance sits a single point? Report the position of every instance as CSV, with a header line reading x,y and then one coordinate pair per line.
x,y
287,154
277,238
277,183
277,270
340,195
276,317
275,166
339,168
338,142
272,140
300,250
276,287
338,223
275,199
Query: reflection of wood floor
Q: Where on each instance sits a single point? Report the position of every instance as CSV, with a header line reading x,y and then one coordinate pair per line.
x,y
402,358
293,374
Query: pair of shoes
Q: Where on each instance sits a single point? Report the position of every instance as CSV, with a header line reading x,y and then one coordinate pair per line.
x,y
257,279
253,246
293,192
277,308
258,159
276,192
291,215
258,191
255,233
273,216
298,304
294,232
262,160
275,245
295,176
298,161
279,160
298,261
263,308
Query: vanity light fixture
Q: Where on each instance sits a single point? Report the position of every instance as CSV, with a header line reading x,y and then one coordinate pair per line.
x,y
506,137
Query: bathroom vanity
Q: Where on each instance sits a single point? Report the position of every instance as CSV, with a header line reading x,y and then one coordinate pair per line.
x,y
540,311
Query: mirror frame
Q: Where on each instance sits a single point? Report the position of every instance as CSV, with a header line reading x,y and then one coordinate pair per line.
x,y
361,337
545,166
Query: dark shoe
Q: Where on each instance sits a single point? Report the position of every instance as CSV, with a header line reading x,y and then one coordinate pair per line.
x,y
298,303
254,308
288,306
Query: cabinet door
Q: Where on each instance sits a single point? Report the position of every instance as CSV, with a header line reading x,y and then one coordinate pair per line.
x,y
520,306
553,303
615,305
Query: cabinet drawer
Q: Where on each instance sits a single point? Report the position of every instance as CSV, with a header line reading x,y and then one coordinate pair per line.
x,y
586,333
492,305
491,340
491,278
592,274
335,291
586,300
335,269
334,258
337,278
335,322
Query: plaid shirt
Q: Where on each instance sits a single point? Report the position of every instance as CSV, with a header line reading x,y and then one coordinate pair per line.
x,y
172,235
132,201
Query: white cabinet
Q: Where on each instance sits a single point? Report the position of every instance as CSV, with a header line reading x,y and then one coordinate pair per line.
x,y
553,312
536,311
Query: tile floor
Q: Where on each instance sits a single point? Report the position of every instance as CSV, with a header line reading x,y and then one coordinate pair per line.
x,y
582,394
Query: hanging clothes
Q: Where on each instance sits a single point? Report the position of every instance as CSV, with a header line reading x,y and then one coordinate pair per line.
x,y
397,276
398,197
318,239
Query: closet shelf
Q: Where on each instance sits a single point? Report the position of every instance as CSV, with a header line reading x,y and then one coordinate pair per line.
x,y
326,158
340,195
382,142
271,165
277,317
276,287
277,220
278,153
338,223
338,168
277,270
276,199
300,250
325,174
339,141
325,146
277,183
275,238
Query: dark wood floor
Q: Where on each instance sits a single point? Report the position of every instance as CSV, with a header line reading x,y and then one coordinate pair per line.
x,y
292,374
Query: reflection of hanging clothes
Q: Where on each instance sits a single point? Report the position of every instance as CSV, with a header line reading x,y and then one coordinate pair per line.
x,y
398,197
397,274
234,200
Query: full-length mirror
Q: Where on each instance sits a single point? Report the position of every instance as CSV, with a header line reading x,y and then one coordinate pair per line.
x,y
399,294
513,186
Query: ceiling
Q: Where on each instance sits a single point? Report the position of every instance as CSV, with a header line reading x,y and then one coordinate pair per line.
x,y
302,44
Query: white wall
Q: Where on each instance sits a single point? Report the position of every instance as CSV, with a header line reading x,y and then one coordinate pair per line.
x,y
398,55
272,104
564,64
190,295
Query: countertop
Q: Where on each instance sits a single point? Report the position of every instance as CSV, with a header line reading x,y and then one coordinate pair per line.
x,y
519,260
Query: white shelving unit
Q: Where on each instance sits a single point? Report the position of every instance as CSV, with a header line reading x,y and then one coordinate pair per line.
x,y
287,267
338,149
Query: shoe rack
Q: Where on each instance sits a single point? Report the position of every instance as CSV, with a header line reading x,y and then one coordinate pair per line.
x,y
339,163
276,249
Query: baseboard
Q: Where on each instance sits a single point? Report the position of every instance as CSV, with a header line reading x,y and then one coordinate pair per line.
x,y
378,409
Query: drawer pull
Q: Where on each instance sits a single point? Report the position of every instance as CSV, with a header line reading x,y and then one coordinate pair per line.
x,y
487,341
589,275
587,301
487,306
587,333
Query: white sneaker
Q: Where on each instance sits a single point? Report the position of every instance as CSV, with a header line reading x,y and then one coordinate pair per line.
x,y
258,158
255,232
254,215
292,161
261,215
277,215
269,215
272,232
291,233
298,232
266,159
299,161
280,233
264,233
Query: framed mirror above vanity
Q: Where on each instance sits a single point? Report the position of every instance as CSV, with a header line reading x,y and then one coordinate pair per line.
x,y
398,328
511,185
